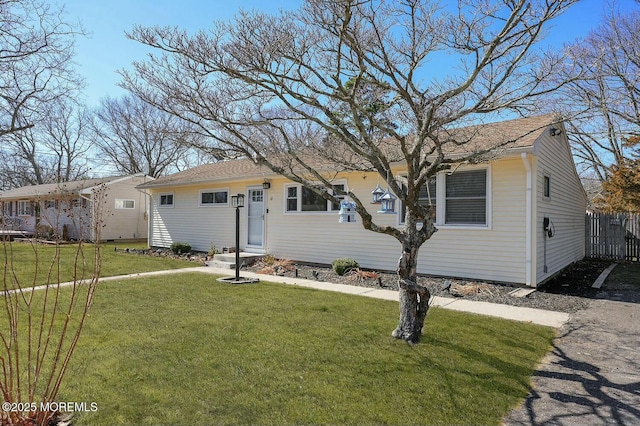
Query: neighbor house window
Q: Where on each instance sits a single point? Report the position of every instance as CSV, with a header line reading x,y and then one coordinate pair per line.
x,y
214,198
125,204
8,208
25,208
466,198
427,197
302,199
51,204
547,187
166,199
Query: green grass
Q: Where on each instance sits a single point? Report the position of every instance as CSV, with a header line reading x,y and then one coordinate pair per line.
x,y
35,264
186,349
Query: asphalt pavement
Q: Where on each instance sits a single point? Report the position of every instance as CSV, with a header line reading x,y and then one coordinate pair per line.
x,y
592,376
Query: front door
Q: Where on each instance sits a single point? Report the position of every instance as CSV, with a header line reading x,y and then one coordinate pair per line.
x,y
255,218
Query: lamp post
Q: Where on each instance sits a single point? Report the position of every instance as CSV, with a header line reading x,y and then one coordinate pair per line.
x,y
237,201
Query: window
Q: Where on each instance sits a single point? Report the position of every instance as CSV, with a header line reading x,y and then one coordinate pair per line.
x,y
547,187
214,198
292,199
302,199
312,202
166,200
427,197
336,206
125,204
51,204
8,208
25,208
466,198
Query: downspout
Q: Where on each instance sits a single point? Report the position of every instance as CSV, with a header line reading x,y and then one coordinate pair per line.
x,y
529,221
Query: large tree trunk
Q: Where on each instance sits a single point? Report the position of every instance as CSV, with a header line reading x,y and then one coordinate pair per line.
x,y
414,298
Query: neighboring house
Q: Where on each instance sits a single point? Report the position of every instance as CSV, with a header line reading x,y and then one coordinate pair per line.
x,y
520,218
111,206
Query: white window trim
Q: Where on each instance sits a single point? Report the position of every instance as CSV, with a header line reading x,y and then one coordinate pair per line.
x,y
546,174
21,211
441,202
166,206
298,210
214,204
124,200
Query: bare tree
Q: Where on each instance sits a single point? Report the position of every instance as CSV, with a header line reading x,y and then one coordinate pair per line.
x,y
55,149
43,318
138,137
605,98
36,67
344,85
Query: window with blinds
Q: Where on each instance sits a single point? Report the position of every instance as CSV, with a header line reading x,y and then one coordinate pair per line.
x,y
466,198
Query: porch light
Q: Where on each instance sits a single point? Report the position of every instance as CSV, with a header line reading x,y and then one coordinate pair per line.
x,y
237,201
388,203
376,194
347,212
266,184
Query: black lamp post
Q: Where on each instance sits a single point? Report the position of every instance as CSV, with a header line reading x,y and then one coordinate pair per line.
x,y
237,201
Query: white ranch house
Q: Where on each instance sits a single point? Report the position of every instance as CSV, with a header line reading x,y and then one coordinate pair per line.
x,y
520,219
121,209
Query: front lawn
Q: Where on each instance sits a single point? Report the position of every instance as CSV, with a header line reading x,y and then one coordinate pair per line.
x,y
186,349
37,264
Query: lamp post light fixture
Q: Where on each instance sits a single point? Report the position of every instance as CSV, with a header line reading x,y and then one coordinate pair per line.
x,y
237,201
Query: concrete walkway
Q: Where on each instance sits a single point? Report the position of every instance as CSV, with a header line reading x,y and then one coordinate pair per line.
x,y
535,316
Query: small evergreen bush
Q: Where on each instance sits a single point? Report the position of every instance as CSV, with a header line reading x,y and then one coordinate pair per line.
x,y
180,248
342,266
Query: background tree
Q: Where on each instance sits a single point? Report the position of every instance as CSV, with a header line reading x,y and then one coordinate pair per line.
x,y
604,99
296,91
54,149
140,138
36,67
622,187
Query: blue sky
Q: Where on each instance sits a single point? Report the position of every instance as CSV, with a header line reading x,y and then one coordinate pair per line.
x,y
106,50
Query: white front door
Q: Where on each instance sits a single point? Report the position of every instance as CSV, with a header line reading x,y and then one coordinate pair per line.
x,y
255,218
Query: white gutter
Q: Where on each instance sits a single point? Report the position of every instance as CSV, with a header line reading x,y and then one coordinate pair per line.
x,y
529,220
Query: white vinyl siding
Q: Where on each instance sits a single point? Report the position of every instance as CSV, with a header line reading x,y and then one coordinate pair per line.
x,y
565,207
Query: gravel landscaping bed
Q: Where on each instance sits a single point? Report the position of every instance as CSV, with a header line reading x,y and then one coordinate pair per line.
x,y
569,292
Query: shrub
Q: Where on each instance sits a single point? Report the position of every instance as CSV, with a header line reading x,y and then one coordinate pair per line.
x,y
180,248
44,231
341,266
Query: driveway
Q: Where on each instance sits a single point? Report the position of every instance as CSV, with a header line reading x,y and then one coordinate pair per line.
x,y
592,376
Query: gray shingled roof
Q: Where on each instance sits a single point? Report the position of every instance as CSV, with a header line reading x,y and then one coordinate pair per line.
x,y
51,189
522,133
